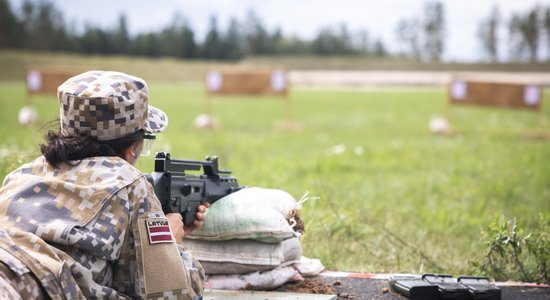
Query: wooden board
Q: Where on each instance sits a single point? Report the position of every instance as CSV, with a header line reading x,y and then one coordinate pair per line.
x,y
261,295
44,81
247,82
498,94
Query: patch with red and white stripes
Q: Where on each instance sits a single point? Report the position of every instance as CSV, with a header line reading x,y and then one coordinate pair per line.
x,y
158,231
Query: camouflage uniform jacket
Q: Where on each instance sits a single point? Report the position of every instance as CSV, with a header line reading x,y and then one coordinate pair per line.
x,y
88,231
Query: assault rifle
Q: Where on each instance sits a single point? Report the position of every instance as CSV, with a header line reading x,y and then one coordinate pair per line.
x,y
182,193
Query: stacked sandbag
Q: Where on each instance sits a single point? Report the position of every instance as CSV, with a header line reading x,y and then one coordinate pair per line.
x,y
266,215
250,239
243,256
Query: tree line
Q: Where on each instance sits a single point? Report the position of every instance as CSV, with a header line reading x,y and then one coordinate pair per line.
x,y
523,35
40,26
528,33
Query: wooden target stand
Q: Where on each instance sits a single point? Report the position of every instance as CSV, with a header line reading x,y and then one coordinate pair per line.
x,y
234,84
41,81
520,96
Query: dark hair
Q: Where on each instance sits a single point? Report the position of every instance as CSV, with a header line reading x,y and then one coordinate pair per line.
x,y
70,149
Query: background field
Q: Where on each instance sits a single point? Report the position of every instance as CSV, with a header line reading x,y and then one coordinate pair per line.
x,y
396,199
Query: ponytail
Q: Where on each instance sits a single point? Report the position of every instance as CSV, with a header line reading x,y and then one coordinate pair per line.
x,y
71,149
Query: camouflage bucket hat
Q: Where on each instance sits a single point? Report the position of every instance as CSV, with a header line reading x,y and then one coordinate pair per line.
x,y
107,105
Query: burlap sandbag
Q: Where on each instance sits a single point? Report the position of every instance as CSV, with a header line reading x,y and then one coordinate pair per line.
x,y
243,256
251,213
266,280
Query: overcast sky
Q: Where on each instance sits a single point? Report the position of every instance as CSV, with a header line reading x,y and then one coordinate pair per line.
x,y
300,17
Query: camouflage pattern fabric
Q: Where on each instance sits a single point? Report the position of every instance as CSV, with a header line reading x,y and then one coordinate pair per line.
x,y
107,105
19,284
74,229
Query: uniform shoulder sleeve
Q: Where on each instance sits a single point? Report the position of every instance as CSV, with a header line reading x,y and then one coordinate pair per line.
x,y
161,270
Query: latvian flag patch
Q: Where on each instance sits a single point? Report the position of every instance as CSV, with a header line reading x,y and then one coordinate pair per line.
x,y
158,231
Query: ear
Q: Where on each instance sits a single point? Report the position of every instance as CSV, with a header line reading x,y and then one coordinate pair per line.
x,y
130,154
126,154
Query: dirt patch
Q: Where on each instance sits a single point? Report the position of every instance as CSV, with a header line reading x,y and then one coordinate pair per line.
x,y
347,296
312,286
309,286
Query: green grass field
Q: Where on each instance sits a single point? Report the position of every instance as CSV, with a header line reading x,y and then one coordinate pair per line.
x,y
398,199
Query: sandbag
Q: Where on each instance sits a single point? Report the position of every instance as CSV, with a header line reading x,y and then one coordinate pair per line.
x,y
309,266
243,256
251,213
254,281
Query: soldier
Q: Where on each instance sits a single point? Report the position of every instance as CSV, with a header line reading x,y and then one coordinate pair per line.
x,y
81,221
